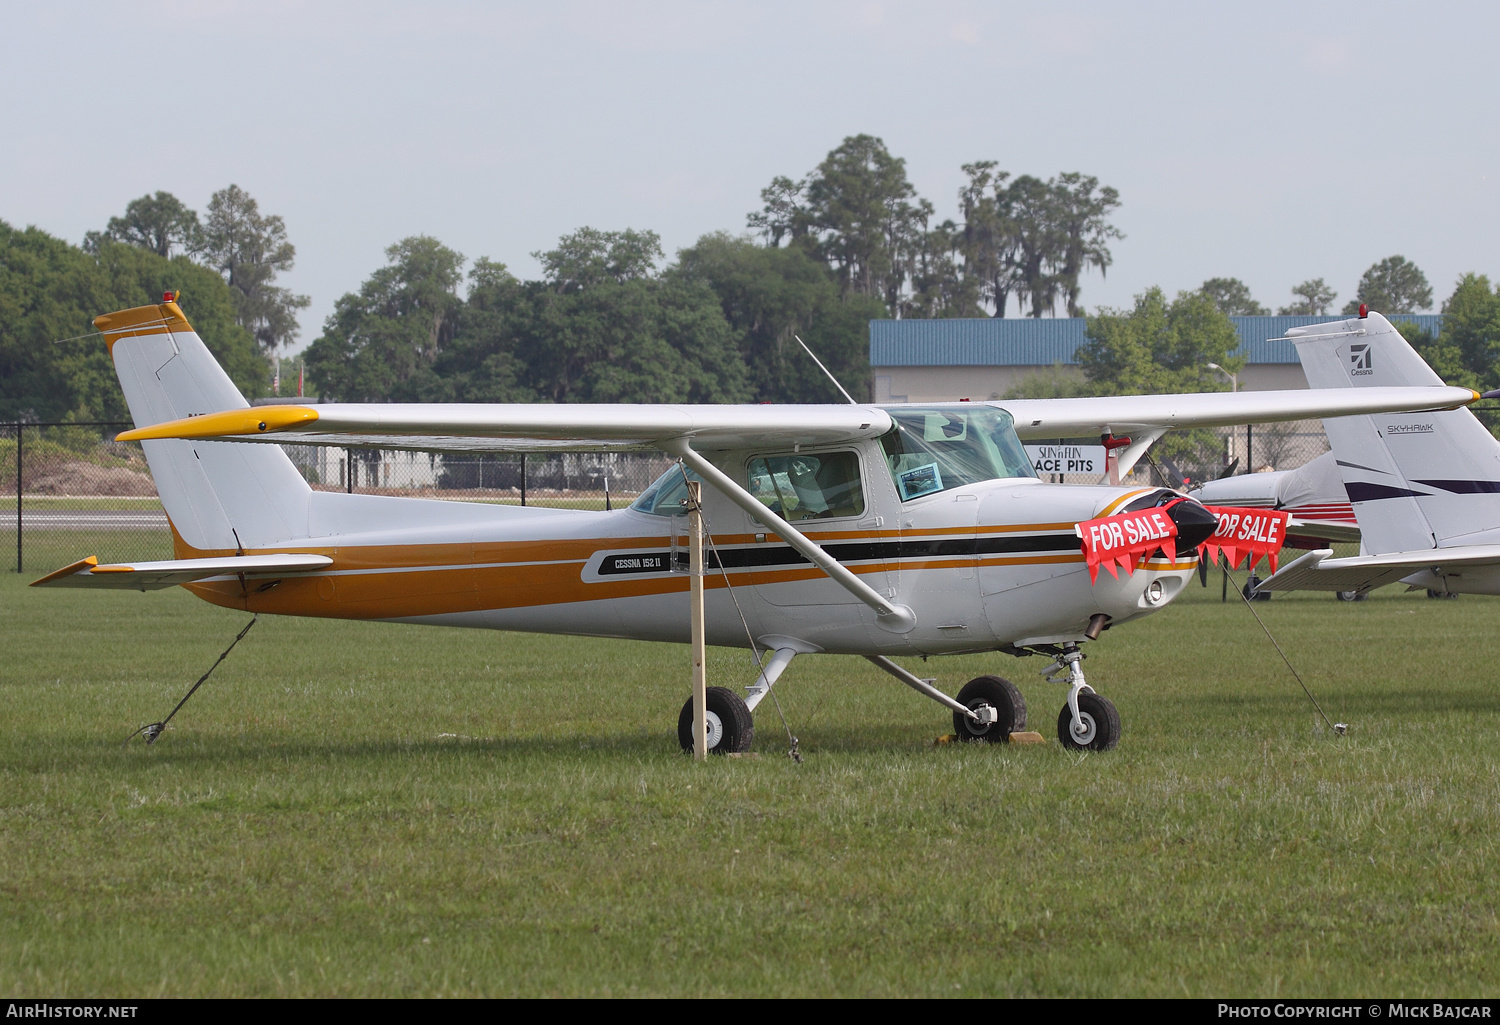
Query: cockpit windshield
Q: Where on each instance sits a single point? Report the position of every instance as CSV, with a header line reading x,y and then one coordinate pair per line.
x,y
668,495
932,450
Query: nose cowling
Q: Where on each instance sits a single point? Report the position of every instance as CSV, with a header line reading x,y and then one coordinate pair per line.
x,y
1195,524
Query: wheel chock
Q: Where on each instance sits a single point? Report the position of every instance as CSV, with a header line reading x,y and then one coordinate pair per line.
x,y
1015,738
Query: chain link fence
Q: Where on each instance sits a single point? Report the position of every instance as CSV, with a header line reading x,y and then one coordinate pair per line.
x,y
71,490
565,480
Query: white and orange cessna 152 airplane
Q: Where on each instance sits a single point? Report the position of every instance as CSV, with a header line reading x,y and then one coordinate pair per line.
x,y
856,529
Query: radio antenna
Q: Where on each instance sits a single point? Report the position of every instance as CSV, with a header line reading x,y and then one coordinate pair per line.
x,y
821,367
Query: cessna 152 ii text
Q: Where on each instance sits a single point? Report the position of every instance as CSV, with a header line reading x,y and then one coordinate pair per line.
x,y
857,529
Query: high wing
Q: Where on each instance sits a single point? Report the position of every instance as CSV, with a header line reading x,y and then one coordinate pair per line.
x,y
531,426
1318,571
516,427
154,576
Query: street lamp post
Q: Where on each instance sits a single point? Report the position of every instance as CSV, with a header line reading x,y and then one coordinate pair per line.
x,y
1234,386
1234,379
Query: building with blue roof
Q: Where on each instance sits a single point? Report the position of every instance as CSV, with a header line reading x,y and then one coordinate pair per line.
x,y
984,358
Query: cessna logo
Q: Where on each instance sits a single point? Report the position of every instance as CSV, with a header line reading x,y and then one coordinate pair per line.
x,y
1359,359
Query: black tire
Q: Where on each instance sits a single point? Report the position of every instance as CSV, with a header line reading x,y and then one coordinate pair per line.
x,y
1000,694
736,725
1100,714
1350,595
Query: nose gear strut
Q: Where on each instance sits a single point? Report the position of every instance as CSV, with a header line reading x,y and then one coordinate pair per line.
x,y
1089,721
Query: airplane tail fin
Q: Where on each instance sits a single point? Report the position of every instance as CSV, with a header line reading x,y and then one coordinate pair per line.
x,y
1416,480
218,496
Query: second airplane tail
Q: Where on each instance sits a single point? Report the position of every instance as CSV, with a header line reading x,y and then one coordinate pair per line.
x,y
1416,480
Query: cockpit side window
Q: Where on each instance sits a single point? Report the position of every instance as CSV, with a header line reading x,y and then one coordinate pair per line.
x,y
933,450
805,486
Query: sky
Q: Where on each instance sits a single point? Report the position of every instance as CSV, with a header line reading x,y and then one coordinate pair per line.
x,y
1269,142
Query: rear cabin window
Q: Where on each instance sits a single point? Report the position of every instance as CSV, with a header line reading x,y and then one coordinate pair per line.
x,y
808,487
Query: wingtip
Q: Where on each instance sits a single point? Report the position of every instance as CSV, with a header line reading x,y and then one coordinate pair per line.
x,y
228,424
86,563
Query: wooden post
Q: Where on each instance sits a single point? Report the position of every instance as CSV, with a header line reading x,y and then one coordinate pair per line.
x,y
20,430
695,568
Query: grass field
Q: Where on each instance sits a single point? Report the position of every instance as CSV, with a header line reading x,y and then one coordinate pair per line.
x,y
369,809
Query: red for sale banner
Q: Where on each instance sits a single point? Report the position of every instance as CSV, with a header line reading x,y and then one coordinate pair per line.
x,y
1246,532
1124,539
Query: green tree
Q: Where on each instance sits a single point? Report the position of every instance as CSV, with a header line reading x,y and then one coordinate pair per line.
x,y
602,328
52,365
159,223
250,249
481,364
1080,210
1394,285
1467,350
854,212
989,243
1160,346
768,295
1314,298
1037,244
381,342
1232,297
1055,382
589,257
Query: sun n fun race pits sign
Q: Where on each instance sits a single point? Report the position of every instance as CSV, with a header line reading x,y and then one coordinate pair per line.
x,y
1066,456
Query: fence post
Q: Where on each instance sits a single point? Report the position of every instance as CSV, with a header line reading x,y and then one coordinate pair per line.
x,y
19,433
523,478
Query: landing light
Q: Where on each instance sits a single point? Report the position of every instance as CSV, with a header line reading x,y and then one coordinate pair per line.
x,y
1154,592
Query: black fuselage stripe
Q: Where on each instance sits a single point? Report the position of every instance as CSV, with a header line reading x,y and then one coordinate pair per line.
x,y
760,556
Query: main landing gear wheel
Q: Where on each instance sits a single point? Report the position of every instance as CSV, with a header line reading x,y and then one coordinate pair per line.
x,y
1099,729
1001,695
730,725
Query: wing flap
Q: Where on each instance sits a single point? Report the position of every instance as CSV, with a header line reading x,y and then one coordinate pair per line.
x,y
152,576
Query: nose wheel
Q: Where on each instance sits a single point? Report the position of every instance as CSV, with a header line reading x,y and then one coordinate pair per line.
x,y
1097,727
1088,722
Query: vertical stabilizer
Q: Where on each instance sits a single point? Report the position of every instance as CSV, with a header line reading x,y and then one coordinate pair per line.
x,y
1416,480
219,495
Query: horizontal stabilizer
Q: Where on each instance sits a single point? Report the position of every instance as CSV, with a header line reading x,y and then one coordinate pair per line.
x,y
152,576
1317,571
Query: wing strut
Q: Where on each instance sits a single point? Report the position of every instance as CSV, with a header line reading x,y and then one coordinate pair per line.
x,y
891,616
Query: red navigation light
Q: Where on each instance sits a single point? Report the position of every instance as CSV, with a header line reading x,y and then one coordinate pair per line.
x,y
1364,310
963,400
167,297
